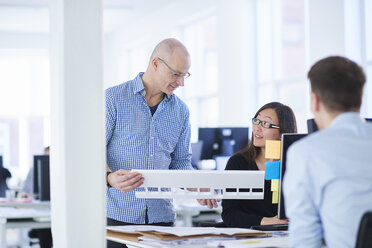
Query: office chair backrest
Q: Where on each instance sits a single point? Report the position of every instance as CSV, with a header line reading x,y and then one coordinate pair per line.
x,y
364,239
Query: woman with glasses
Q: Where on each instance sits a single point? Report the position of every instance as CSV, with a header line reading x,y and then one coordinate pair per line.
x,y
270,121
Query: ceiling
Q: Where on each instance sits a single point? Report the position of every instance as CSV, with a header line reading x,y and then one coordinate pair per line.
x,y
32,16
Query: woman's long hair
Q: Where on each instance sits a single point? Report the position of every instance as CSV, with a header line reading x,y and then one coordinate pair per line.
x,y
287,124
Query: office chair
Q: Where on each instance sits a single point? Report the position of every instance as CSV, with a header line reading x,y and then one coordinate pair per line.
x,y
364,239
42,237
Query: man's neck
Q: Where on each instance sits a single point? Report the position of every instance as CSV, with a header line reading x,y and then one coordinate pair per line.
x,y
326,118
153,96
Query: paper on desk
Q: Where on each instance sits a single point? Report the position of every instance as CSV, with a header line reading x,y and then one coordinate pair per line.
x,y
178,242
185,231
282,242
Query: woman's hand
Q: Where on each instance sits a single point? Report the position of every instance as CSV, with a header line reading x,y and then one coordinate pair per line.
x,y
273,221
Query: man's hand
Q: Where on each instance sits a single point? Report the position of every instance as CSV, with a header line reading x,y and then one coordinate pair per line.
x,y
273,221
25,195
125,180
210,203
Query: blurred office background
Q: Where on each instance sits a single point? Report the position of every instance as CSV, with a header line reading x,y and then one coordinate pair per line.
x,y
244,54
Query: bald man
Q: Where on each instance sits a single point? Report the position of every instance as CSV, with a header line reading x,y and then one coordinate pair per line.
x,y
147,127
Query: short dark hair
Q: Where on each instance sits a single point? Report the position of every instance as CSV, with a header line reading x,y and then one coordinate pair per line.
x,y
287,124
338,82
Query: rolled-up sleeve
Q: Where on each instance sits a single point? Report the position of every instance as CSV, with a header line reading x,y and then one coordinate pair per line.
x,y
110,114
181,156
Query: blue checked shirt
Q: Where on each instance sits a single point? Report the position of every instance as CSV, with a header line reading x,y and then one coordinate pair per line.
x,y
137,140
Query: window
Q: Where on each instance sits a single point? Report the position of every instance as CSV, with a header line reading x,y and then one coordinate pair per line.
x,y
281,55
201,93
24,108
368,51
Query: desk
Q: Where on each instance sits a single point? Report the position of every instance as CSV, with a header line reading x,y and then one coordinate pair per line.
x,y
274,241
15,214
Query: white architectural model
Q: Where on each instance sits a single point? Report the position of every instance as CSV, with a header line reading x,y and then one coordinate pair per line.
x,y
206,184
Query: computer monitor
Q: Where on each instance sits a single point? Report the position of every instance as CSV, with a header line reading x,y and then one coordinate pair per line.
x,y
222,141
41,178
311,126
287,140
221,162
3,186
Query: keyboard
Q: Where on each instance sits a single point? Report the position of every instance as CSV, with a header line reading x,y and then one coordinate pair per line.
x,y
276,227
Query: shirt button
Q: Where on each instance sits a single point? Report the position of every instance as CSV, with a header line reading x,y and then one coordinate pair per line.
x,y
150,155
152,137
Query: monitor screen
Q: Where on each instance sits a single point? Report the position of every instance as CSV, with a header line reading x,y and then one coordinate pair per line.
x,y
287,140
222,141
41,178
196,149
221,162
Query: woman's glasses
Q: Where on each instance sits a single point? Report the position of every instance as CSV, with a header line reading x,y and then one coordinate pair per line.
x,y
264,124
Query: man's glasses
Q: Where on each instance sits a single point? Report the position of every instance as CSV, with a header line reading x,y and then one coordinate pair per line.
x,y
264,124
178,75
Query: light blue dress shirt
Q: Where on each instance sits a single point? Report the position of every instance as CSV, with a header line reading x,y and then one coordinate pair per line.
x,y
328,183
137,140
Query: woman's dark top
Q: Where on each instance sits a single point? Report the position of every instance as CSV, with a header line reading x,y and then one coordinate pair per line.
x,y
247,213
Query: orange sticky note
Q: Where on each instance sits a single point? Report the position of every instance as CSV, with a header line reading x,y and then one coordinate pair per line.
x,y
275,197
272,149
275,185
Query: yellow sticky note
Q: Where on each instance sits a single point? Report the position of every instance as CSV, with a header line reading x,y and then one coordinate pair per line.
x,y
275,197
275,185
272,149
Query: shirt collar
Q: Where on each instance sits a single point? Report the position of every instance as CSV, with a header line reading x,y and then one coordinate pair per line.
x,y
347,117
138,86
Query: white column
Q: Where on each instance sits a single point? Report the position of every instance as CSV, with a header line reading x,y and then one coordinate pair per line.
x,y
334,27
324,32
237,62
77,124
325,29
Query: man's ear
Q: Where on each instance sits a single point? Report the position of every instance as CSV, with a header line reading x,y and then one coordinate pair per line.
x,y
155,63
315,103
